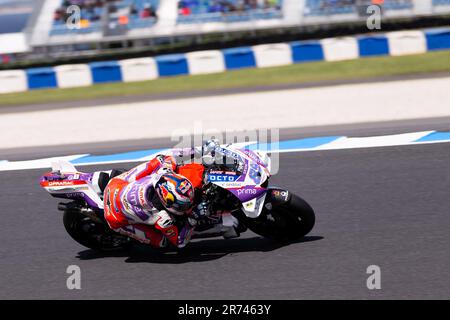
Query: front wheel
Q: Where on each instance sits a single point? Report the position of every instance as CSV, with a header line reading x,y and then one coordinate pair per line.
x,y
91,234
285,222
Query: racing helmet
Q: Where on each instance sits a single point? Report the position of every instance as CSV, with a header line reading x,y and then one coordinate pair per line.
x,y
175,192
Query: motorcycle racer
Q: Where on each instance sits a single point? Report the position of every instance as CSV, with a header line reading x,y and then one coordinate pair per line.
x,y
141,202
230,183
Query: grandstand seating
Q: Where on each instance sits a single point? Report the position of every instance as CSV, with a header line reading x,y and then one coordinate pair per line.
x,y
133,13
203,11
331,7
117,17
130,14
441,2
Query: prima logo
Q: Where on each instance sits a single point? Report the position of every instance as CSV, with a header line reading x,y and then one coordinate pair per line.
x,y
246,191
74,17
374,19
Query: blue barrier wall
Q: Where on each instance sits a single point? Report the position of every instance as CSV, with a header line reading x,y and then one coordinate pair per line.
x,y
373,46
307,51
172,65
108,71
245,57
237,58
40,78
438,39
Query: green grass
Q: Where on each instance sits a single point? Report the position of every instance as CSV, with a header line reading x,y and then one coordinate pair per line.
x,y
298,73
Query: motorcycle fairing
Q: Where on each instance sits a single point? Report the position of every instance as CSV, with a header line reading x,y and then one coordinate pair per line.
x,y
253,208
66,182
247,187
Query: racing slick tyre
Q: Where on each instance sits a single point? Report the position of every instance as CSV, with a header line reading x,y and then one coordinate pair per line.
x,y
91,234
289,221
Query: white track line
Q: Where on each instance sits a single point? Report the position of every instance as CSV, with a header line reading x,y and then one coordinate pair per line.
x,y
339,144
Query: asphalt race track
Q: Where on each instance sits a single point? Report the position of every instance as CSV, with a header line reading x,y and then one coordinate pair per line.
x,y
380,206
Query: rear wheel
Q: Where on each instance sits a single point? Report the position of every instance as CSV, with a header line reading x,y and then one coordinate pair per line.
x,y
91,234
286,222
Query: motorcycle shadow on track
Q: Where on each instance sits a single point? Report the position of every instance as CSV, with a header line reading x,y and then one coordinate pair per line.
x,y
197,251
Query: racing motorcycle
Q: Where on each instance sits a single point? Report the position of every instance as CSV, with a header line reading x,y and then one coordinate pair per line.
x,y
237,187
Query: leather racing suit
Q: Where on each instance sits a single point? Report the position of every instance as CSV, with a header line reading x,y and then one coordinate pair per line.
x,y
132,208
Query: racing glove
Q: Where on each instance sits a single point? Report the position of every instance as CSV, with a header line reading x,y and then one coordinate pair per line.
x,y
210,146
201,211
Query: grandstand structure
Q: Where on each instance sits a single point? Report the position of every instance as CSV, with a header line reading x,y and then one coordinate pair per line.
x,y
138,23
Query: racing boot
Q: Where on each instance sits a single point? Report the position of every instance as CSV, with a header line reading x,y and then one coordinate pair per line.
x,y
185,233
